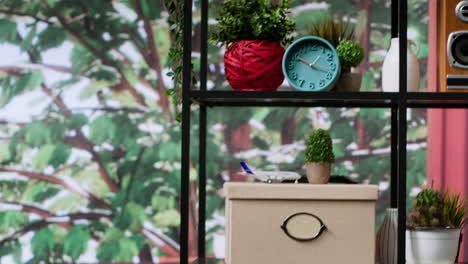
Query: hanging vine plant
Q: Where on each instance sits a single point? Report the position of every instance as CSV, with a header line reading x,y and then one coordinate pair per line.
x,y
176,52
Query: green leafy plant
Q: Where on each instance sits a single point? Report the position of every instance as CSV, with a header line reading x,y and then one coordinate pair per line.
x,y
436,209
252,20
331,30
350,53
319,147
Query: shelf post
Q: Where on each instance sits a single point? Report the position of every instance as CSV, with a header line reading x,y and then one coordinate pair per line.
x,y
402,127
185,151
202,136
394,158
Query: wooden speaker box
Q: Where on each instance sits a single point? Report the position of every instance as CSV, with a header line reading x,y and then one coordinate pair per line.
x,y
453,46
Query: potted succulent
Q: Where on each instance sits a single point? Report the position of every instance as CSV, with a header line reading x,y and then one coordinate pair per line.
x,y
253,31
341,35
351,54
319,157
434,227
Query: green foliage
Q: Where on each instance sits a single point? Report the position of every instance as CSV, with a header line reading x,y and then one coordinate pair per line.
x,y
103,129
28,40
331,30
350,53
252,20
455,210
108,251
11,88
175,56
8,29
117,247
51,37
319,147
106,119
42,244
76,242
77,121
436,209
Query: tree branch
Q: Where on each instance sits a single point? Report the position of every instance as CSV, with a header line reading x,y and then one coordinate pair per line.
x,y
145,255
65,221
155,237
375,152
154,63
110,109
80,140
74,189
23,14
137,40
31,227
158,239
102,56
5,122
78,37
35,66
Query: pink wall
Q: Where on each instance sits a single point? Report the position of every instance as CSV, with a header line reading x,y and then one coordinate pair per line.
x,y
447,153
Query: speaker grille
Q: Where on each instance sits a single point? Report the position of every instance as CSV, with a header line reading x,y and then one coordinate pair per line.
x,y
462,11
457,49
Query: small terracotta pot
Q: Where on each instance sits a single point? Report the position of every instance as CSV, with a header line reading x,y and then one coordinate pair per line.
x,y
318,173
349,82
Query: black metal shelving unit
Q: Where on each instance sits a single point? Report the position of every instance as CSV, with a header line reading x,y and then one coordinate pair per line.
x,y
397,102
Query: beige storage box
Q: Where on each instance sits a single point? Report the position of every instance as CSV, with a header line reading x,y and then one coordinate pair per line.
x,y
300,223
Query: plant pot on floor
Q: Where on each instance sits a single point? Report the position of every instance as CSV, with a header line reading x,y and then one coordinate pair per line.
x,y
318,173
349,82
432,246
254,65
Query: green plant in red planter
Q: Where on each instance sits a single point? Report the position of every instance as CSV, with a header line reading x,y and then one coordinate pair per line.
x,y
253,31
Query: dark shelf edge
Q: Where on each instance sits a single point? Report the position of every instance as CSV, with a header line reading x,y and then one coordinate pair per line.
x,y
196,94
327,99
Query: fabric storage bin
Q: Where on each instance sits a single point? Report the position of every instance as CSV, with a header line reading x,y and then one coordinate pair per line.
x,y
300,223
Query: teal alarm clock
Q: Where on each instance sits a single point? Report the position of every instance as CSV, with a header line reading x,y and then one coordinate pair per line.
x,y
311,64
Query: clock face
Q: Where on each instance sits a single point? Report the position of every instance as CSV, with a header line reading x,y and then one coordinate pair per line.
x,y
311,64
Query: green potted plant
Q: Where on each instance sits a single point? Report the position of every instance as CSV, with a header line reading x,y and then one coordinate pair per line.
x,y
434,227
341,35
351,55
319,156
253,31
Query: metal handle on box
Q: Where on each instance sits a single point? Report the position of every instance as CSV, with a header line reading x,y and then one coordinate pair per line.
x,y
320,227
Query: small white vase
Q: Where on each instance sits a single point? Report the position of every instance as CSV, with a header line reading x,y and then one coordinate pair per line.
x,y
386,248
437,246
318,173
391,67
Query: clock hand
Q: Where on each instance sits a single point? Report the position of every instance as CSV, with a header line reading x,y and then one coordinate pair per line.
x,y
312,65
316,59
304,61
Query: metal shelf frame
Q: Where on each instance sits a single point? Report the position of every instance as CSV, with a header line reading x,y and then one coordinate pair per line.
x,y
398,103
